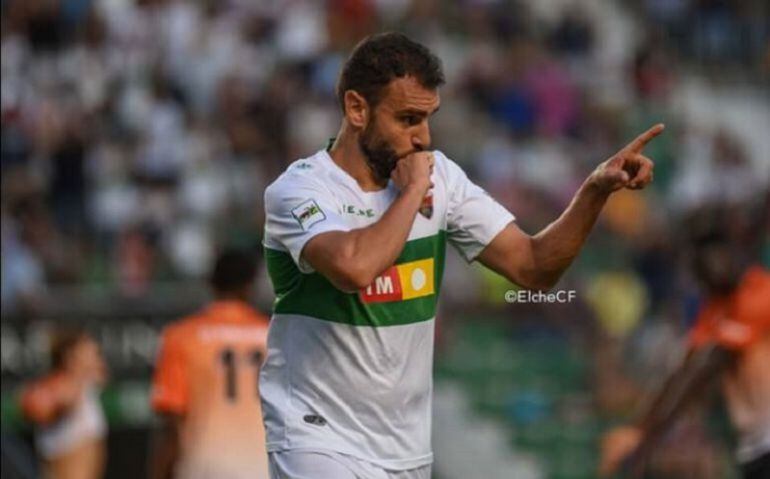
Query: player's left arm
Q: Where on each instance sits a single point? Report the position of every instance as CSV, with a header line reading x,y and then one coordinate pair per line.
x,y
537,262
169,400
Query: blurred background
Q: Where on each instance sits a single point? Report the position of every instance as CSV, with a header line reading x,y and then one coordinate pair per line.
x,y
138,137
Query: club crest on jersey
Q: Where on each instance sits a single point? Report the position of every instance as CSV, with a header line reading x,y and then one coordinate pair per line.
x,y
401,282
426,208
308,213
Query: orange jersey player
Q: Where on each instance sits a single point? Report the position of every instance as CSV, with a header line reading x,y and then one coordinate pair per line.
x,y
64,406
730,343
206,384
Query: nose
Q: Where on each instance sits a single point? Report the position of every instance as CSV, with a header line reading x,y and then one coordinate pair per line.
x,y
421,137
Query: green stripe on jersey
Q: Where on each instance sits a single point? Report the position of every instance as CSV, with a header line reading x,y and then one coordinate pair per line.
x,y
313,295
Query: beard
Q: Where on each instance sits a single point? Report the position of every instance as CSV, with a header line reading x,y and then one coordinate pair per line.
x,y
380,156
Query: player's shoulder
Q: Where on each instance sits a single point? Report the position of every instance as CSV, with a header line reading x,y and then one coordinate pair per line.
x,y
754,294
757,278
177,331
42,385
251,317
309,172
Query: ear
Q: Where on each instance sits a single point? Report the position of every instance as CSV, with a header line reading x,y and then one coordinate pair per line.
x,y
357,110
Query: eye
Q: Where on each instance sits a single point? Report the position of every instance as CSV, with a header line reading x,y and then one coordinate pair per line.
x,y
411,120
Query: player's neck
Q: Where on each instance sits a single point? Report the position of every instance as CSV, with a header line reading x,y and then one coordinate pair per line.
x,y
346,153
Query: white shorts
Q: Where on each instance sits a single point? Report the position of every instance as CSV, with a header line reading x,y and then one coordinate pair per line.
x,y
333,465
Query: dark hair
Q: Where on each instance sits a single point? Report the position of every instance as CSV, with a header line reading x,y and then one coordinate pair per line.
x,y
380,58
63,341
233,270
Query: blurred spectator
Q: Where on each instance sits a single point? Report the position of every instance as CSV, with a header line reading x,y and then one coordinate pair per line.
x,y
64,406
174,114
23,279
714,168
573,34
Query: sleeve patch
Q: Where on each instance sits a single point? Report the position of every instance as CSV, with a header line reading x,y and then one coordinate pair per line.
x,y
307,214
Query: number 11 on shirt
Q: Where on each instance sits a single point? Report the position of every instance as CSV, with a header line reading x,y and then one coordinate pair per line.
x,y
229,361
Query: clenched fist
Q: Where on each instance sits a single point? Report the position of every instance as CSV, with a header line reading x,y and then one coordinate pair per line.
x,y
628,168
413,171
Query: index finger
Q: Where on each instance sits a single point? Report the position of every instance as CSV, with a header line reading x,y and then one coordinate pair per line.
x,y
640,141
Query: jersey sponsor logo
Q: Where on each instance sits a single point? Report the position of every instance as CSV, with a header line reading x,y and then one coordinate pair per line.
x,y
401,282
307,214
426,208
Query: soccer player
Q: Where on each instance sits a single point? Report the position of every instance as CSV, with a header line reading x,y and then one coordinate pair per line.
x,y
354,241
730,343
206,384
64,406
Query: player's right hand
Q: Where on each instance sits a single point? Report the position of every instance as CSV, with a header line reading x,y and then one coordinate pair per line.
x,y
617,445
413,171
628,168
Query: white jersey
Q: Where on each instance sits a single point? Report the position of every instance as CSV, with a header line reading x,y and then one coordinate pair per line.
x,y
85,422
352,372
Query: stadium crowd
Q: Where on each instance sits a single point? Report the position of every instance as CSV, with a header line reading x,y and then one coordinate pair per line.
x,y
137,136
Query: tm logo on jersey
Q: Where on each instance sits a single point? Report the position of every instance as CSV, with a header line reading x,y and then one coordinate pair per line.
x,y
401,282
307,214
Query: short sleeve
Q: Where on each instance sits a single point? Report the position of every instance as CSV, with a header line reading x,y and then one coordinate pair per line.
x,y
38,401
297,210
169,384
473,217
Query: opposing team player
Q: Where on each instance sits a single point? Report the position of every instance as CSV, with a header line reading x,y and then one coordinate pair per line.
x,y
206,384
729,344
64,406
354,241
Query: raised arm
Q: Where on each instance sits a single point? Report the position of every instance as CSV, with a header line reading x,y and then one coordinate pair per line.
x,y
537,262
46,401
685,387
352,259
